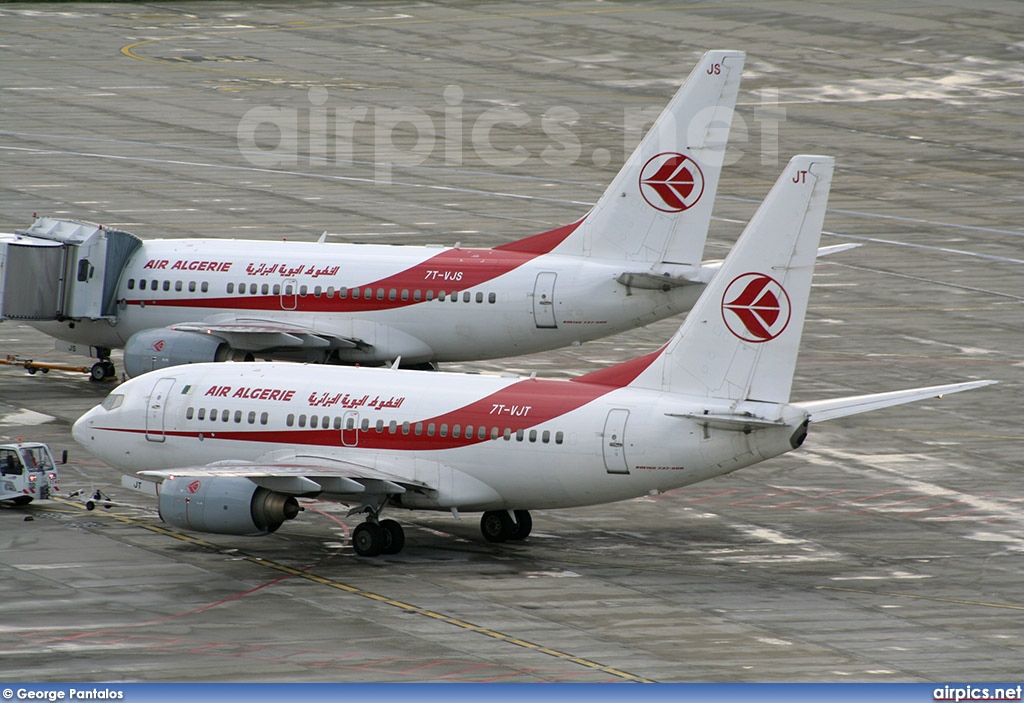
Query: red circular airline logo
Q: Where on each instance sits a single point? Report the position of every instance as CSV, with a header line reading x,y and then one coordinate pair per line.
x,y
193,486
671,182
755,308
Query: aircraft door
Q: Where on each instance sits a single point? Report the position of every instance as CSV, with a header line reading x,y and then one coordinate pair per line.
x,y
156,408
350,429
289,294
544,300
614,442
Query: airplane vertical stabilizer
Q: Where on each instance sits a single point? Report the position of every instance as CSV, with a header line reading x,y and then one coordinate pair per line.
x,y
740,341
658,208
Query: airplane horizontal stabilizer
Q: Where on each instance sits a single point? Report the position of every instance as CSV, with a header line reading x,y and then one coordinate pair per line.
x,y
744,422
822,410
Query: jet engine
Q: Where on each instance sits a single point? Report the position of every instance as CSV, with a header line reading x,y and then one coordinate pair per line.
x,y
224,505
150,350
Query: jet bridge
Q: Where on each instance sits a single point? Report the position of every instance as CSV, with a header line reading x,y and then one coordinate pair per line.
x,y
62,270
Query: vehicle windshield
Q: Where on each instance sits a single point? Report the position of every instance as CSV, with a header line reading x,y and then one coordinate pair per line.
x,y
37,458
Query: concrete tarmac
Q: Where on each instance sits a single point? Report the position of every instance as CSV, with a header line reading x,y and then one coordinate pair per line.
x,y
888,548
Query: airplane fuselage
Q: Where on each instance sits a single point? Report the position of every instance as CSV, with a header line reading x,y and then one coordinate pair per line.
x,y
486,442
421,303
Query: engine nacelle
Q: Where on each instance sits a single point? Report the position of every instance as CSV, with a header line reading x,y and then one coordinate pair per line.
x,y
150,350
224,505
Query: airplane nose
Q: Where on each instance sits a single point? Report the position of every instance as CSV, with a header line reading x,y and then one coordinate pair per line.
x,y
81,430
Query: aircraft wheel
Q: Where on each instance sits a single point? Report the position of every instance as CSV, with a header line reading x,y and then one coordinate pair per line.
x,y
368,539
394,537
22,500
524,525
98,372
497,526
109,368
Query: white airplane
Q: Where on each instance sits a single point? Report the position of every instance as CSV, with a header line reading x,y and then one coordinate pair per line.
x,y
228,448
633,259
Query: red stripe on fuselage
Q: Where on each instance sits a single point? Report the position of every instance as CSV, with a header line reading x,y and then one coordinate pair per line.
x,y
522,405
453,270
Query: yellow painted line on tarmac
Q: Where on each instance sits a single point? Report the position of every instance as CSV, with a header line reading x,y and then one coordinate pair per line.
x,y
354,590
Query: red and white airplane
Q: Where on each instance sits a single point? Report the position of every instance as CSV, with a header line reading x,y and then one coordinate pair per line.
x,y
228,448
633,259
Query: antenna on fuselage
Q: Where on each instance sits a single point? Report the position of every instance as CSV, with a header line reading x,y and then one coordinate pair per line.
x,y
323,238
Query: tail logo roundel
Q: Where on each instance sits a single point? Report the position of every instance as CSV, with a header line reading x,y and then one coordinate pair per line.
x,y
755,308
671,182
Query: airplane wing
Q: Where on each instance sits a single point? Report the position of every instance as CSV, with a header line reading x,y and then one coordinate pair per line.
x,y
304,475
261,335
821,410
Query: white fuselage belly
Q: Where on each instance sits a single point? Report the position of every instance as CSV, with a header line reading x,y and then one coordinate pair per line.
x,y
501,317
571,468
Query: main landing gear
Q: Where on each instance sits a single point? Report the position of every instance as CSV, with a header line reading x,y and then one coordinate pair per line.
x,y
373,538
505,525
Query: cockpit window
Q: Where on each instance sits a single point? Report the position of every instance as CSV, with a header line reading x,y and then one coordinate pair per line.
x,y
113,400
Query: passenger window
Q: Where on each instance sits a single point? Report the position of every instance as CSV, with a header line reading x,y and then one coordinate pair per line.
x,y
202,414
431,428
495,433
533,435
177,286
466,296
392,294
405,294
469,432
417,295
238,417
355,293
443,430
213,414
492,298
277,289
379,426
456,431
430,295
405,428
380,294
479,297
266,288
558,437
337,422
191,286
393,427
325,422
545,436
303,290
302,420
481,432
519,435
131,284
290,420
508,433
365,425
189,412
419,428
204,287
264,417
167,285
231,288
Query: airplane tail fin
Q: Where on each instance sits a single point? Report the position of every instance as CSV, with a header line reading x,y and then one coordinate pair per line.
x,y
658,208
741,339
